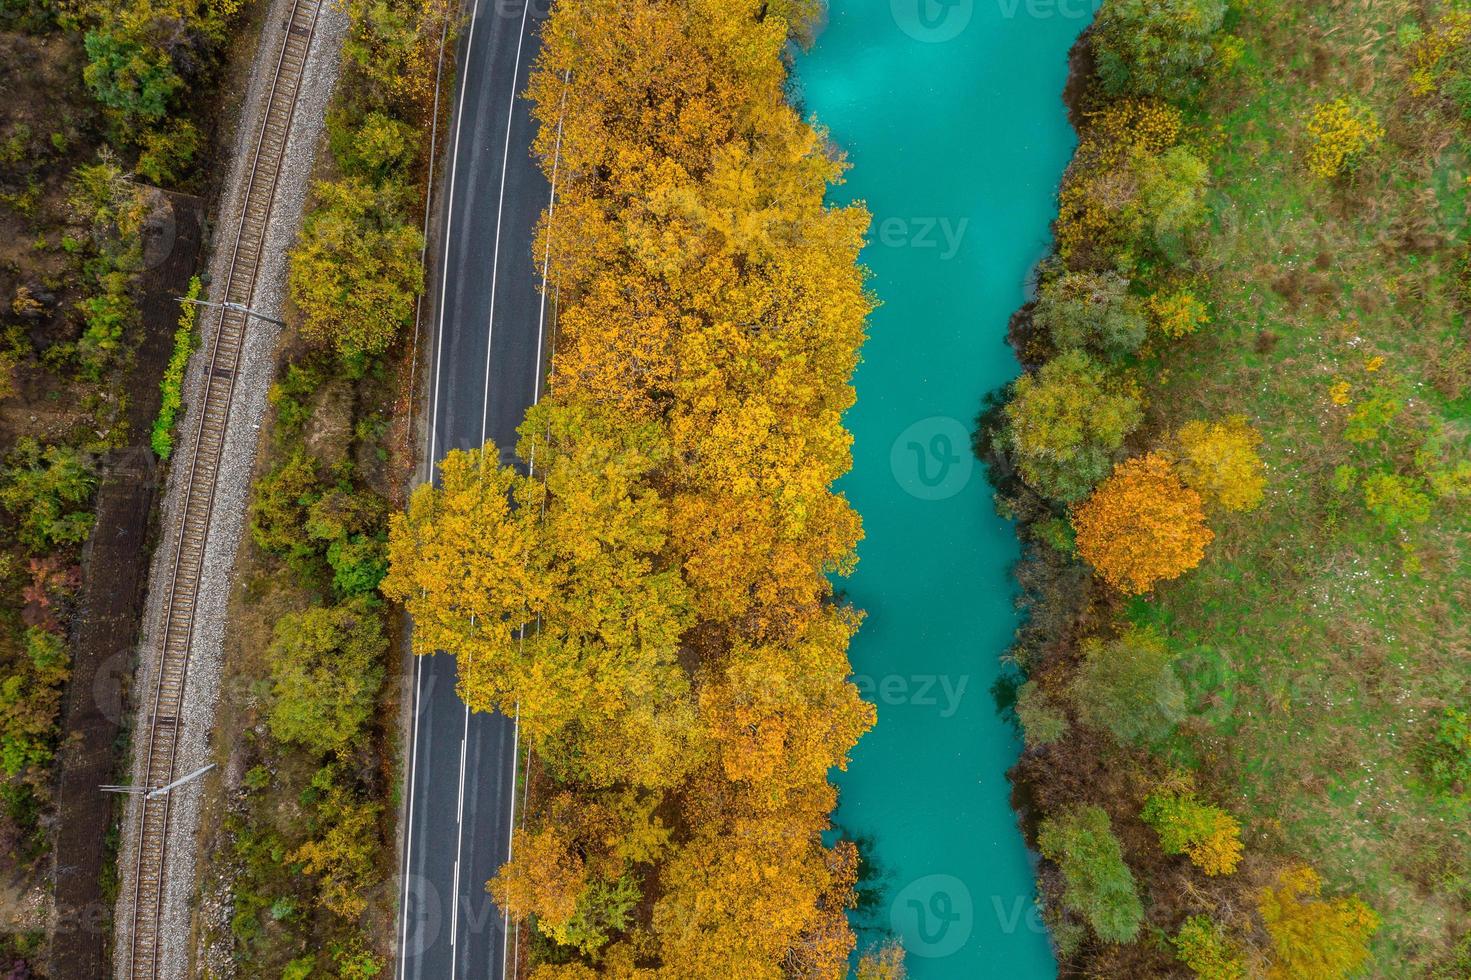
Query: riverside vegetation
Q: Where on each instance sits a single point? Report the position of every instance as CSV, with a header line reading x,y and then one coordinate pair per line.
x,y
93,124
682,682
307,837
1241,460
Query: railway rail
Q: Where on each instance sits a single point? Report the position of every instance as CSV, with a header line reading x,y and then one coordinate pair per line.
x,y
160,729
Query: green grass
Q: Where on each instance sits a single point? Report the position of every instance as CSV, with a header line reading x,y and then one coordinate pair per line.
x,y
1319,653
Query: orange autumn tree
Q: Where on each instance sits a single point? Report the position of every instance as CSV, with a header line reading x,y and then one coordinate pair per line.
x,y
1142,525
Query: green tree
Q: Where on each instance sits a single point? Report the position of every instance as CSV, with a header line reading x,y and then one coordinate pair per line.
x,y
1092,311
47,491
326,669
1156,47
355,271
1066,424
1097,884
1127,686
125,74
1171,198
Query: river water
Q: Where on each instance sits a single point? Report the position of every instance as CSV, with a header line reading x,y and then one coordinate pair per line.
x,y
950,113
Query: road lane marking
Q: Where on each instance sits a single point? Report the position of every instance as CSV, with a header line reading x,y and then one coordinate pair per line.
x,y
495,262
403,968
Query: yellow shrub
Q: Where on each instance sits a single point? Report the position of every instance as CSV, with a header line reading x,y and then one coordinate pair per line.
x,y
1342,133
1177,314
1326,939
1429,53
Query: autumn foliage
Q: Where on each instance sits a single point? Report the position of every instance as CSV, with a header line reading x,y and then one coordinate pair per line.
x,y
1314,937
1219,461
1142,525
654,597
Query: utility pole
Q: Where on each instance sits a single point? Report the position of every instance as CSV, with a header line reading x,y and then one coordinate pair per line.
x,y
235,307
149,794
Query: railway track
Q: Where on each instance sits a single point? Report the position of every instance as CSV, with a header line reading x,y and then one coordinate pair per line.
x,y
161,724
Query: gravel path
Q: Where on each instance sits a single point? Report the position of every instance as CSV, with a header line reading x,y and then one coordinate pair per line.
x,y
257,370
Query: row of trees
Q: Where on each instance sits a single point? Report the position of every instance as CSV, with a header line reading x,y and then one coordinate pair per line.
x,y
653,597
311,835
1096,478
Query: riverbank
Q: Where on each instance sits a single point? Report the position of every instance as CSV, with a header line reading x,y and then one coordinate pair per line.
x,y
1242,698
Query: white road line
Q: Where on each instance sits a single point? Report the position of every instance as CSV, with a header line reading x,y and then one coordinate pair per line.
x,y
403,967
495,262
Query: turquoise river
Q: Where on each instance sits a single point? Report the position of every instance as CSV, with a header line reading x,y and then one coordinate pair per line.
x,y
950,113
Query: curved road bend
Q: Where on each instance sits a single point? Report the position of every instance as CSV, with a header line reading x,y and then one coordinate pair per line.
x,y
486,371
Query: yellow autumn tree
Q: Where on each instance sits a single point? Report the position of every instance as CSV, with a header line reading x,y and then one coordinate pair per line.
x,y
550,593
656,598
1207,834
1314,938
1219,461
752,889
781,716
1142,525
545,879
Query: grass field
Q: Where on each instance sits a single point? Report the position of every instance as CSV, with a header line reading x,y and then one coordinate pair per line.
x,y
1320,646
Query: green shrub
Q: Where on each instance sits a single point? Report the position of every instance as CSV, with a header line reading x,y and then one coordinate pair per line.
x,y
1207,951
172,386
1128,687
355,272
1447,758
359,563
326,669
291,396
278,509
107,314
30,703
1396,500
1097,884
124,74
166,152
1209,835
378,147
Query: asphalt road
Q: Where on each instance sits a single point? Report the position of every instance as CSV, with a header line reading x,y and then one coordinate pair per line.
x,y
490,337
